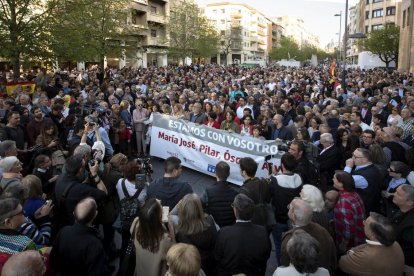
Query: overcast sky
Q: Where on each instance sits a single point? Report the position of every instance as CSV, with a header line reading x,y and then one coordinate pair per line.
x,y
318,15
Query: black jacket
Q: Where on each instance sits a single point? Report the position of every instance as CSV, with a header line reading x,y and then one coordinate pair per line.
x,y
77,250
372,194
169,190
242,248
218,200
404,225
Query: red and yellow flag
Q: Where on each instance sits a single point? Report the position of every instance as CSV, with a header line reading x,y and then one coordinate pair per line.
x,y
332,70
24,86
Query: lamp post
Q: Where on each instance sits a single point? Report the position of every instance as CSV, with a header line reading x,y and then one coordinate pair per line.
x,y
345,42
340,30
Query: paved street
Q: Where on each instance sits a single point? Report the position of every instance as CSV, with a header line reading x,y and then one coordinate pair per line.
x,y
199,182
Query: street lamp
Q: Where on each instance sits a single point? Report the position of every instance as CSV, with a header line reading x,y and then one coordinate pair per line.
x,y
345,42
340,30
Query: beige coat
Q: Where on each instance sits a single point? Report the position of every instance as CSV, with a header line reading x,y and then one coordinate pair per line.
x,y
148,263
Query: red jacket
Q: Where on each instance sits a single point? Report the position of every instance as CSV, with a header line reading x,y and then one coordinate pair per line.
x,y
125,135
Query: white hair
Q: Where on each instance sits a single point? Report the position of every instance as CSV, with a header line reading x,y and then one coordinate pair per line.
x,y
327,137
313,196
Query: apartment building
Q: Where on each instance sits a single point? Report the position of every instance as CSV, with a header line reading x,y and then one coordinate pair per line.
x,y
406,50
377,14
246,34
295,28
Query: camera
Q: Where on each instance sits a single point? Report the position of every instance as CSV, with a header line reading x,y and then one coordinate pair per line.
x,y
145,167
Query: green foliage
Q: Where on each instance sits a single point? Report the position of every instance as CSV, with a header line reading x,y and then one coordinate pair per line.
x,y
384,43
90,30
24,30
288,48
190,33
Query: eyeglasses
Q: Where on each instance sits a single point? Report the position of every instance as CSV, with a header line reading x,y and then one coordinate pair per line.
x,y
353,155
391,170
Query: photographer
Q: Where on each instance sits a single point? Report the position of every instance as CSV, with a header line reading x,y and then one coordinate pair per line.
x,y
72,186
93,132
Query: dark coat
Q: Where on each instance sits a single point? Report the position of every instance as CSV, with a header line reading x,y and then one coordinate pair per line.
x,y
77,250
217,201
284,134
328,161
242,248
169,190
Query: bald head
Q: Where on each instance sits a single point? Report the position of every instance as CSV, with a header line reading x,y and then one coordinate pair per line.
x,y
85,211
28,263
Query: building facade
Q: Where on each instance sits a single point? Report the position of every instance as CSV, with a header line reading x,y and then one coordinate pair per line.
x,y
295,28
148,18
245,33
406,50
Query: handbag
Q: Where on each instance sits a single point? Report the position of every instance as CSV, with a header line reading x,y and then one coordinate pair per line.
x,y
127,265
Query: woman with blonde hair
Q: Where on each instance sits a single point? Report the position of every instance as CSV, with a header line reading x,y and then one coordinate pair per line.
x,y
33,189
197,228
178,111
125,112
184,260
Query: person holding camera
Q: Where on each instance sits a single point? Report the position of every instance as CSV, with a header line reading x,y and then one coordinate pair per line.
x,y
72,186
93,132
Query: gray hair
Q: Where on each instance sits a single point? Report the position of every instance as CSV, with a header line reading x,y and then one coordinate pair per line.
x,y
6,146
82,150
303,212
7,206
313,196
327,137
303,251
409,190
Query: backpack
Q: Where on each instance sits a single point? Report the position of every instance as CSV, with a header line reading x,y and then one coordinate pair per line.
x,y
129,207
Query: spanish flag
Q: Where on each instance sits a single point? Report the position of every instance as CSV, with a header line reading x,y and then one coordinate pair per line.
x,y
332,70
25,86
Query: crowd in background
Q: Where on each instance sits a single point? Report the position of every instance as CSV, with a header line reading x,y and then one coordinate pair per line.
x,y
342,203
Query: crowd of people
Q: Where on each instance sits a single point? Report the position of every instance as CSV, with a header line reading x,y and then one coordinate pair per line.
x,y
72,152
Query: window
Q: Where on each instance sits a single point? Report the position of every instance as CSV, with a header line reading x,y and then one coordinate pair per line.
x,y
377,13
377,27
404,15
408,16
389,25
222,32
367,2
367,15
376,1
153,33
215,11
153,9
366,29
223,11
223,21
390,11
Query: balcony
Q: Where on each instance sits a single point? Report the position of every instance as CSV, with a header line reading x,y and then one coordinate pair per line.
x,y
236,15
261,42
261,33
156,18
156,41
261,24
138,7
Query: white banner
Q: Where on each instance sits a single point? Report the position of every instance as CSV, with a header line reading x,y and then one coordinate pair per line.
x,y
200,147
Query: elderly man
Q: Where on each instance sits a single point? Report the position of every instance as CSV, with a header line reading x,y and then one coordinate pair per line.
x,y
402,219
407,121
28,262
85,256
328,160
367,178
300,213
381,255
196,116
